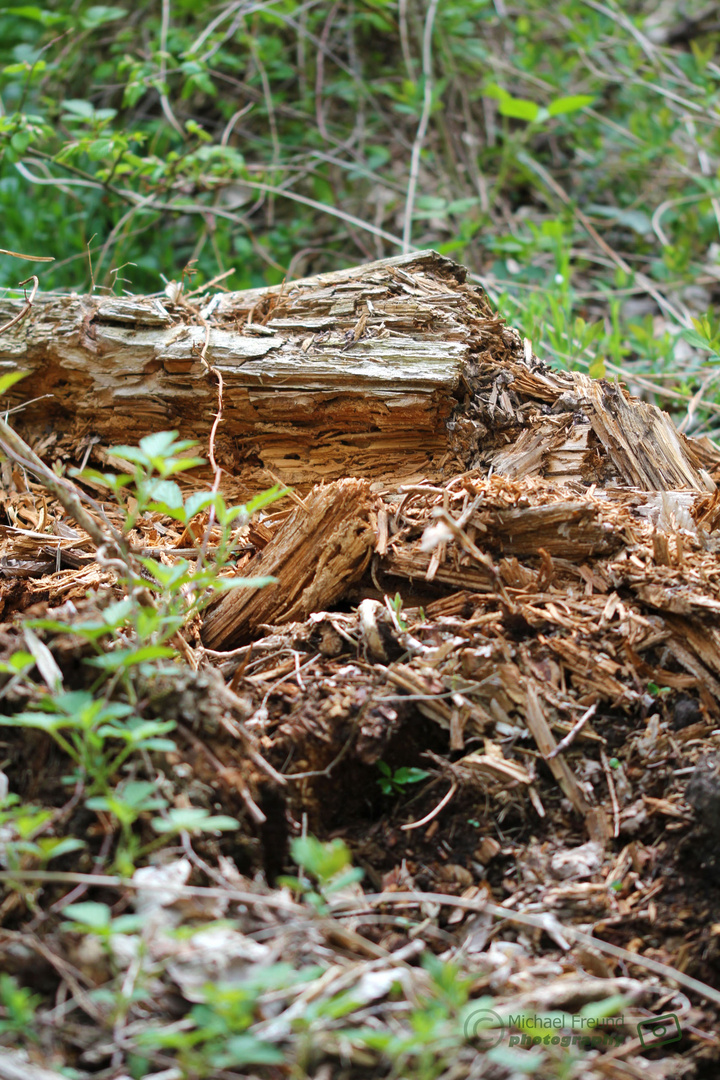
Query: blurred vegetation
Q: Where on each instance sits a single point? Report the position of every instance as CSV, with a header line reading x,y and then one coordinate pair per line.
x,y
567,154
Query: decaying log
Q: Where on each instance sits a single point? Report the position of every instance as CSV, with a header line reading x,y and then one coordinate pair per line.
x,y
351,373
391,371
318,552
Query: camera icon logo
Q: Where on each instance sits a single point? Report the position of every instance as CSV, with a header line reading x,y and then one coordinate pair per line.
x,y
659,1030
485,1027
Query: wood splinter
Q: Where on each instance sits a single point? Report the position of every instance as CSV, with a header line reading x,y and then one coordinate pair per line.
x,y
322,548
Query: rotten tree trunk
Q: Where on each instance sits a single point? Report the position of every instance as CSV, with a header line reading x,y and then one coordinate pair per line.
x,y
392,371
350,373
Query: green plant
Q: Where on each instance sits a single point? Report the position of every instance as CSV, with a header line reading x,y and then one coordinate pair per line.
x,y
182,589
705,334
129,639
89,730
18,1006
576,152
216,1034
21,839
90,917
394,782
328,863
397,605
435,1029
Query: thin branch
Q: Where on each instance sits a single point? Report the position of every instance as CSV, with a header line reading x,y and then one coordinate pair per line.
x,y
422,126
242,896
164,102
434,812
28,303
538,922
30,258
63,490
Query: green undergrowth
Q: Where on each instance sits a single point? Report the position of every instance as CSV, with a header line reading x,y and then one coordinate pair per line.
x,y
102,724
567,154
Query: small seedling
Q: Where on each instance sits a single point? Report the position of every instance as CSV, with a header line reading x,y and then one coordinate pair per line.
x,y
17,1008
397,604
394,783
327,863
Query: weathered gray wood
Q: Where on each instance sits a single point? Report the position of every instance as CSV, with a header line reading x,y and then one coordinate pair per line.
x,y
354,372
390,371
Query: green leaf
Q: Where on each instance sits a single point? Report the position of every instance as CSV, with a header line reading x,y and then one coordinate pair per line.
x,y
324,860
40,15
127,924
563,105
162,444
99,149
610,1006
408,775
19,662
129,453
90,631
519,108
265,498
39,720
249,1050
125,658
516,108
20,141
637,220
98,15
127,802
197,502
90,914
9,379
109,480
52,846
597,368
341,882
80,108
194,819
138,731
515,1061
164,495
117,613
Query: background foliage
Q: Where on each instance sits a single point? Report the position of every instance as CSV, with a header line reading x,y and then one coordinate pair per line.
x,y
567,154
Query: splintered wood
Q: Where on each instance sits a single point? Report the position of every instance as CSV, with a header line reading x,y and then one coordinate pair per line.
x,y
356,373
494,581
513,546
321,549
389,371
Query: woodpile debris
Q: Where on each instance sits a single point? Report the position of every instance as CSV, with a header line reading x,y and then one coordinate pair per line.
x,y
501,574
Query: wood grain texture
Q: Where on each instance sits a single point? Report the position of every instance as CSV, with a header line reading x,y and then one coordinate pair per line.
x,y
320,550
393,371
351,373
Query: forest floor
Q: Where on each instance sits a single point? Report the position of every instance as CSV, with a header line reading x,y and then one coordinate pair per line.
x,y
459,821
